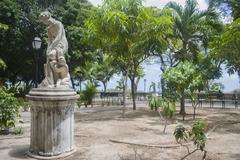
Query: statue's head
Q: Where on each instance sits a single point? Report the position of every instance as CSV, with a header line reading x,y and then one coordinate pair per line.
x,y
45,17
61,61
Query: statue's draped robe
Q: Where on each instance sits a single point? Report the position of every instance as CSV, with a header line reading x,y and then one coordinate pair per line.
x,y
56,41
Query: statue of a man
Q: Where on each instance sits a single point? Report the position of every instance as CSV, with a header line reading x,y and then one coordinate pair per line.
x,y
57,46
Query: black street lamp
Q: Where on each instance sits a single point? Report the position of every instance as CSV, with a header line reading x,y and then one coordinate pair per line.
x,y
36,44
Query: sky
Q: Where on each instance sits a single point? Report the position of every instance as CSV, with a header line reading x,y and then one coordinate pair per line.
x,y
152,72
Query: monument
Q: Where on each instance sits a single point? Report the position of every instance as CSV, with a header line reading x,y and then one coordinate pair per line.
x,y
52,103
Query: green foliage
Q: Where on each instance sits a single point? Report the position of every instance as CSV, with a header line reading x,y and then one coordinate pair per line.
x,y
166,106
9,109
3,27
181,134
183,76
123,29
216,87
184,79
19,130
196,134
154,102
21,17
2,65
88,94
193,28
226,47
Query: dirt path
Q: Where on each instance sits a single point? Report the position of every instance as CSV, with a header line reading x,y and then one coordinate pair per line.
x,y
95,127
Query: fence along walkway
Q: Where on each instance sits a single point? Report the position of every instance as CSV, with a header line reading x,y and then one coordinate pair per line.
x,y
222,100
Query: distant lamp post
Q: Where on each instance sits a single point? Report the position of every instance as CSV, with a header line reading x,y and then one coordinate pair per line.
x,y
36,44
145,80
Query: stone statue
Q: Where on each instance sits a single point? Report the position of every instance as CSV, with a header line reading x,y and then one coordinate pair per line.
x,y
56,69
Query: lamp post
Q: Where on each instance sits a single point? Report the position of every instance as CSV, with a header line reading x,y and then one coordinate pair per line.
x,y
36,44
145,80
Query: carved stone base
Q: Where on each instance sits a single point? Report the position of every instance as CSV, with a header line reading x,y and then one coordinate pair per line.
x,y
52,122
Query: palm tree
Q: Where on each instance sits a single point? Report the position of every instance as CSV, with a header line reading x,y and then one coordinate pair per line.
x,y
190,26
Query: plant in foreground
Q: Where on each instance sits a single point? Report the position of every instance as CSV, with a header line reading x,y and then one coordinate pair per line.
x,y
165,107
9,110
195,134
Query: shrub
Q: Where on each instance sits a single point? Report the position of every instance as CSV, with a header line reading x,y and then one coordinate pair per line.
x,y
88,94
196,134
18,130
166,108
9,110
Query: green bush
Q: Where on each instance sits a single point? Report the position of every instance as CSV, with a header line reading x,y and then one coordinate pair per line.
x,y
9,110
88,94
19,130
195,134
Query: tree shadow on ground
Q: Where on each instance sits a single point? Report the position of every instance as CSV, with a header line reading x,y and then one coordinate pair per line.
x,y
19,151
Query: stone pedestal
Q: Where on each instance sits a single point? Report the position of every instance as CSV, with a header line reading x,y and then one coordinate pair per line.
x,y
52,122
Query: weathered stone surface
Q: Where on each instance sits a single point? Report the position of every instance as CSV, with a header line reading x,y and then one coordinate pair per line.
x,y
52,122
56,69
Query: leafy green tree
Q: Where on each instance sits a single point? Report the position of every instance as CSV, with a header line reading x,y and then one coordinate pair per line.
x,y
196,85
226,47
105,69
118,28
185,76
192,30
21,17
187,22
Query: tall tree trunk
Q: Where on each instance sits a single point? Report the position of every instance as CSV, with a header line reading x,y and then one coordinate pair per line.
x,y
125,77
79,83
104,86
182,104
133,93
163,86
194,112
183,58
165,126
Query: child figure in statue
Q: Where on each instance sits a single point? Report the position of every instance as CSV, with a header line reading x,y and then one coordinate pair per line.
x,y
62,69
57,46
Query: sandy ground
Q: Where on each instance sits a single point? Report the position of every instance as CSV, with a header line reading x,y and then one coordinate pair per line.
x,y
95,127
